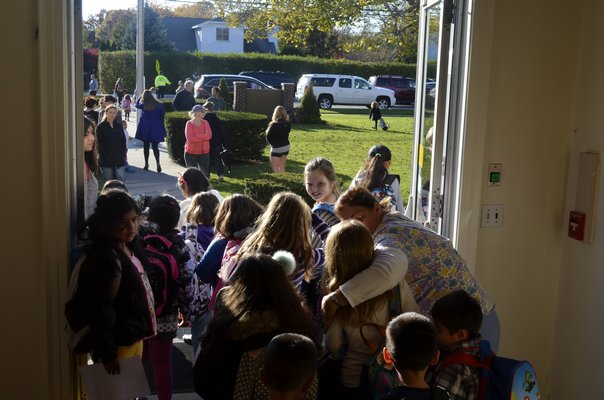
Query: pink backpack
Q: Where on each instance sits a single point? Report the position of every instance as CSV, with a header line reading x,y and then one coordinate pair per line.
x,y
226,272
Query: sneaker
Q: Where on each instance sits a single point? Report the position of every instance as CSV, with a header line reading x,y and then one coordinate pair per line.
x,y
221,178
187,338
158,168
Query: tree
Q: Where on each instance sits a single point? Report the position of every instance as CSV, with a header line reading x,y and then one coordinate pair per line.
x,y
309,111
89,27
202,9
117,31
295,21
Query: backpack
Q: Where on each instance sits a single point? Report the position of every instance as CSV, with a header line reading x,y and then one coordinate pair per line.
x,y
384,194
500,378
230,262
377,376
77,324
162,272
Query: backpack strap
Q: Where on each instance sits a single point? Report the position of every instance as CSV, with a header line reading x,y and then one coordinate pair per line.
x,y
381,329
389,179
462,358
154,239
471,361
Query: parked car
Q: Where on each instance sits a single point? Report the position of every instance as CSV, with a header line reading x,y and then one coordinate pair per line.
x,y
203,86
344,89
430,84
404,87
271,78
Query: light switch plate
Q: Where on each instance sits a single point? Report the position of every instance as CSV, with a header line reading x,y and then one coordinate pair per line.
x,y
492,216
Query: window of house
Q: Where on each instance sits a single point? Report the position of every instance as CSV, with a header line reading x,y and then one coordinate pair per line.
x,y
222,34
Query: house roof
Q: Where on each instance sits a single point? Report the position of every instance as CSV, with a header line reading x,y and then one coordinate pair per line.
x,y
179,31
208,21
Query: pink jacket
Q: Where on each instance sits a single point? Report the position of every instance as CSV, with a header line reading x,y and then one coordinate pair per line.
x,y
198,137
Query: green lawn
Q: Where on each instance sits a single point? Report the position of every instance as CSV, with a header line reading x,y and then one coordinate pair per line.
x,y
344,140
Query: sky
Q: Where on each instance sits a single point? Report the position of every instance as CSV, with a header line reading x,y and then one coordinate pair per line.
x,y
91,7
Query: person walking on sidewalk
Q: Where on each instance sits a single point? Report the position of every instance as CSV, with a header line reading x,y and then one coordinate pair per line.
x,y
150,129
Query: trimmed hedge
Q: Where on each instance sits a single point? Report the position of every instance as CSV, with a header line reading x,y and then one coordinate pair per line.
x,y
244,134
180,65
263,187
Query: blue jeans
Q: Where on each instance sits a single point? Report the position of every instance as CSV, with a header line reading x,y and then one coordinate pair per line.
x,y
118,173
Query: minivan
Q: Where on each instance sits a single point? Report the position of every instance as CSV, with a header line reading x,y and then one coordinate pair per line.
x,y
344,89
404,87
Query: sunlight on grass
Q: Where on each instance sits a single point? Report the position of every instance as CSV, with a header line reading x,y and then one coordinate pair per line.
x,y
344,140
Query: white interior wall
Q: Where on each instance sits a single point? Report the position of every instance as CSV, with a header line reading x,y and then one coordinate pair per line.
x,y
579,329
519,114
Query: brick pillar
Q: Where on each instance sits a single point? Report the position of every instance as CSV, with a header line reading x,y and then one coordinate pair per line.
x,y
288,92
239,96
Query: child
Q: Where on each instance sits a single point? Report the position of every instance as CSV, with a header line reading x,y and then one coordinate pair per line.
x,y
289,367
374,175
191,182
322,185
411,347
458,318
113,287
105,102
348,251
126,106
164,212
375,114
198,234
127,135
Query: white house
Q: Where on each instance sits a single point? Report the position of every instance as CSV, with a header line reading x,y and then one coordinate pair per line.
x,y
213,36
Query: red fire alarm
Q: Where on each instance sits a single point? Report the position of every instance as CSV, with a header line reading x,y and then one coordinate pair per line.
x,y
576,225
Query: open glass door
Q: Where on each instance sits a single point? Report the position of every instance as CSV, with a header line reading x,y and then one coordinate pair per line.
x,y
440,96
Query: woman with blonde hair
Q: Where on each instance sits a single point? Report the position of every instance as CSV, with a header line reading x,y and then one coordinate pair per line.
x,y
349,251
198,134
277,136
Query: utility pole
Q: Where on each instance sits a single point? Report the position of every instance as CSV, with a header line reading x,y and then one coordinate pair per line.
x,y
140,52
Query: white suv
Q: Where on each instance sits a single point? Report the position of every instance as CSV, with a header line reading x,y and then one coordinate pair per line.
x,y
344,89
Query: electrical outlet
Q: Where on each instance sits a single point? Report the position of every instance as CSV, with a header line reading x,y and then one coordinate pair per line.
x,y
492,216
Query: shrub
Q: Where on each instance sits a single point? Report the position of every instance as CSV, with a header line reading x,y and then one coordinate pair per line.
x,y
244,134
180,65
309,111
224,93
263,187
